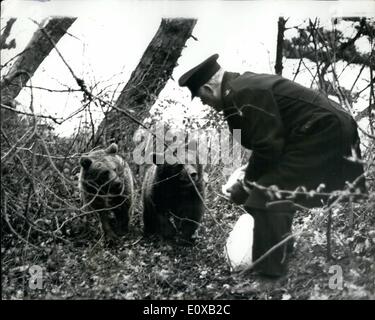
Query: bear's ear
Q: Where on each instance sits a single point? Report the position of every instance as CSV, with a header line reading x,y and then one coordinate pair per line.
x,y
157,158
85,162
112,148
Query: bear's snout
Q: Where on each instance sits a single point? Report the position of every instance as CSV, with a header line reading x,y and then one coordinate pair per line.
x,y
194,175
185,177
192,171
116,186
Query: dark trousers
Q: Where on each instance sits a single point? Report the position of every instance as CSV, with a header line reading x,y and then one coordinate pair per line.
x,y
271,227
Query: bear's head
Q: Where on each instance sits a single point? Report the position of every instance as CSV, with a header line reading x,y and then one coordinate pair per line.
x,y
178,169
102,171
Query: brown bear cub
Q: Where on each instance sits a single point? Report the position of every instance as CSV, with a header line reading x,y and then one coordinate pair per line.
x,y
171,205
106,185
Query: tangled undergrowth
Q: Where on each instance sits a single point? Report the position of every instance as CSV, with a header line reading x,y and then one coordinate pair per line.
x,y
78,265
51,249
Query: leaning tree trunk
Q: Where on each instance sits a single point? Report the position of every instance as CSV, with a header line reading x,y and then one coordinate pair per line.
x,y
279,50
146,82
29,60
4,43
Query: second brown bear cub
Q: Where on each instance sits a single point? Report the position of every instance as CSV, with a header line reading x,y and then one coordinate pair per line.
x,y
106,185
171,205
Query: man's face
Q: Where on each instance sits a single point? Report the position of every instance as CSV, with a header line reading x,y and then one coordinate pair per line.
x,y
208,97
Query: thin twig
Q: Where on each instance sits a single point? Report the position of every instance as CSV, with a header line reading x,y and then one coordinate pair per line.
x,y
31,114
6,217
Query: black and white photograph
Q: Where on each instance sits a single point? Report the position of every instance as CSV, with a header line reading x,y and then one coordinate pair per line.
x,y
200,152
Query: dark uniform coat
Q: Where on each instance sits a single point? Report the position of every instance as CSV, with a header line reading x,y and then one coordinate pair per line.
x,y
298,136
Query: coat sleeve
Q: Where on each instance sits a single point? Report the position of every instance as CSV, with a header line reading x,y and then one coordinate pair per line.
x,y
261,129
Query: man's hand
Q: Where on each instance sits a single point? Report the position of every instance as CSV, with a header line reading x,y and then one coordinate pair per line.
x,y
238,194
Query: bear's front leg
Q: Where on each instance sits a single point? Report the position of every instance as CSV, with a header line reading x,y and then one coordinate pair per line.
x,y
122,211
189,220
122,222
166,228
106,226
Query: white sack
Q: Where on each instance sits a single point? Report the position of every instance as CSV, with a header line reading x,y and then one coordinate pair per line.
x,y
239,245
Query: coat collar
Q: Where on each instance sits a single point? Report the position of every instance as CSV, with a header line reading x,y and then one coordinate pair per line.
x,y
228,77
226,91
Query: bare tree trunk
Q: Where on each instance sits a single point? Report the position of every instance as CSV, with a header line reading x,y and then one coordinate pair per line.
x,y
146,82
280,44
29,60
4,43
